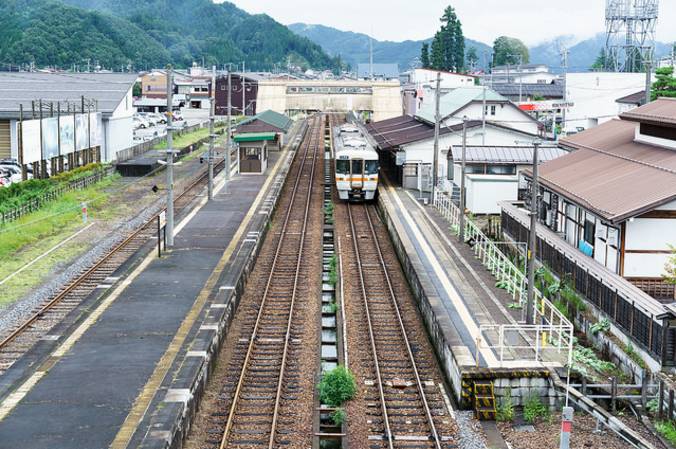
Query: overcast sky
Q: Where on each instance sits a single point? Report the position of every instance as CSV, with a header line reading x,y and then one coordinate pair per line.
x,y
533,21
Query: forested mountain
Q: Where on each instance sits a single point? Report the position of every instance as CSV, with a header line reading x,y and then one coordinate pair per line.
x,y
354,47
148,33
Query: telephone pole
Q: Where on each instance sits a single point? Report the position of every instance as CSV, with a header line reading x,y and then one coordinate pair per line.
x,y
461,224
243,88
648,78
564,64
437,119
212,135
228,150
169,231
532,237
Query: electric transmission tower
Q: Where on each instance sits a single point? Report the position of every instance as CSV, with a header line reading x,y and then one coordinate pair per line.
x,y
630,34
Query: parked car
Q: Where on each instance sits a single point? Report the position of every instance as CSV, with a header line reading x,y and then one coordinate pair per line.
x,y
159,118
140,122
178,116
14,164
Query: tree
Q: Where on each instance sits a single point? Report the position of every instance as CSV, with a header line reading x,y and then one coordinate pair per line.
x,y
506,51
425,55
601,61
448,46
437,53
670,267
472,58
665,86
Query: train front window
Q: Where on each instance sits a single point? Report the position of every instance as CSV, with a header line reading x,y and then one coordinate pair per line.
x,y
357,167
342,167
371,167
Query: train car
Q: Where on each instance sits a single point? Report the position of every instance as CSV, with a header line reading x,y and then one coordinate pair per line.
x,y
357,164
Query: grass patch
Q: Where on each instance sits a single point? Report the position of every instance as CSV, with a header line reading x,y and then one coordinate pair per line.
x,y
534,410
186,139
25,239
668,430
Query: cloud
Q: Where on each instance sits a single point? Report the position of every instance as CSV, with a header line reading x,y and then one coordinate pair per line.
x,y
532,21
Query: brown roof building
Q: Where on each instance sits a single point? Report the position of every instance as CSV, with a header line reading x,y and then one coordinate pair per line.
x,y
607,216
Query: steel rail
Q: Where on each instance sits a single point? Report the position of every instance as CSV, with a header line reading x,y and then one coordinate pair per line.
x,y
402,327
252,339
90,271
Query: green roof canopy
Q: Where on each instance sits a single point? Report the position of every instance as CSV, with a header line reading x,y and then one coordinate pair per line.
x,y
273,118
254,137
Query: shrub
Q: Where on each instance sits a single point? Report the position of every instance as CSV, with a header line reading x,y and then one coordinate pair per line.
x,y
505,409
653,405
337,386
339,417
668,430
602,325
534,409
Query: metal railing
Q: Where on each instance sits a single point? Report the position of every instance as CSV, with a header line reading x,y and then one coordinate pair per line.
x,y
550,339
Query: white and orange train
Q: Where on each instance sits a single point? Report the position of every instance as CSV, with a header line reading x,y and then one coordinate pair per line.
x,y
356,164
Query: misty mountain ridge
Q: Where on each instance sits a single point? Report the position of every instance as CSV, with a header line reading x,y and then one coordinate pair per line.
x,y
354,48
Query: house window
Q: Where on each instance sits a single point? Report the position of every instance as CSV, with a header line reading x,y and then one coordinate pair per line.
x,y
474,169
589,228
411,170
501,169
492,109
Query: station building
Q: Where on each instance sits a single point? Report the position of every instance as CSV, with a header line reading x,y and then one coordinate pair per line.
x,y
372,100
258,135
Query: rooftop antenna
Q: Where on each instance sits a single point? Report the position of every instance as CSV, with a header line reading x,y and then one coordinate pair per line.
x,y
630,33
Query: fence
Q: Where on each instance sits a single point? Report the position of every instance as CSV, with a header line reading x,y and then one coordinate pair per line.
x,y
550,339
139,149
642,326
37,203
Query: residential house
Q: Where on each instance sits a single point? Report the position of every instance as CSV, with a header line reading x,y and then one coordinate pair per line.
x,y
492,173
631,101
243,95
419,86
607,216
524,73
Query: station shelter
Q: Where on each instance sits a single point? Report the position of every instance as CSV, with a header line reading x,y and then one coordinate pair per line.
x,y
253,151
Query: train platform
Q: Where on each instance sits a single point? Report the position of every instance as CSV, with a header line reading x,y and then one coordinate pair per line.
x,y
102,377
455,292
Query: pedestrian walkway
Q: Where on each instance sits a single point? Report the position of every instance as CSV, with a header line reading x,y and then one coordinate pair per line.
x,y
82,396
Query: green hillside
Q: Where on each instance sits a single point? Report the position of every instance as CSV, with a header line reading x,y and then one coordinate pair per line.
x,y
148,33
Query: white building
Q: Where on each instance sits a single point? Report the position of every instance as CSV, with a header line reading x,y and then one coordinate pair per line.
x,y
525,74
593,96
111,94
419,86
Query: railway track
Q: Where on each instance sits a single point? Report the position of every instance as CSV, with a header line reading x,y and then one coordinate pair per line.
x,y
408,409
263,381
20,339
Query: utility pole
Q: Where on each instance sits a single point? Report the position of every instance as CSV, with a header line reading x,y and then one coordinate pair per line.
x,y
212,135
532,237
483,118
243,88
648,78
370,58
169,231
461,224
228,149
564,64
437,119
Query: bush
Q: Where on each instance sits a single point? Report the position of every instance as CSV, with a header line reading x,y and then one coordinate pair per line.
x,y
668,430
505,409
534,409
339,417
337,386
